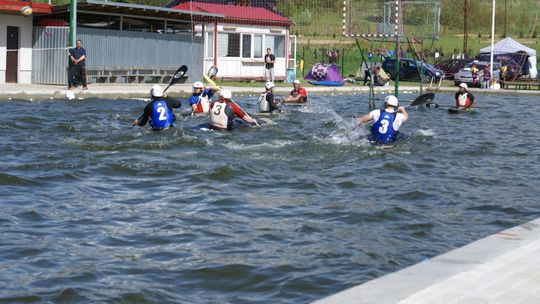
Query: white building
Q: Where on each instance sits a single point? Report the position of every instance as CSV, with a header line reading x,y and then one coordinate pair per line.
x,y
16,40
242,39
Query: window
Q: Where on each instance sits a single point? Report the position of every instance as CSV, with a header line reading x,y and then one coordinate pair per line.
x,y
246,46
257,46
228,45
210,45
276,43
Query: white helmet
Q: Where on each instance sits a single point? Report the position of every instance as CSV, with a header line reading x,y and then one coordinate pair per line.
x,y
269,85
198,85
226,94
156,91
391,100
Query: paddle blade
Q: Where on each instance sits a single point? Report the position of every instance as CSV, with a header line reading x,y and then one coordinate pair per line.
x,y
422,99
212,72
177,76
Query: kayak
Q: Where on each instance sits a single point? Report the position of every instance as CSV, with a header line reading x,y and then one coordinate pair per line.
x,y
459,110
237,124
388,145
327,83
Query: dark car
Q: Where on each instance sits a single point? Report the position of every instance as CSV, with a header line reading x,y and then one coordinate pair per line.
x,y
409,70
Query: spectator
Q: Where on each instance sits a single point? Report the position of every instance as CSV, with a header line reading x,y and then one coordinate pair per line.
x,y
269,60
486,78
77,58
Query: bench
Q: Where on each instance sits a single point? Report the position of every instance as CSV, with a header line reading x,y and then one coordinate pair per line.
x,y
136,74
252,78
521,85
145,74
167,73
96,75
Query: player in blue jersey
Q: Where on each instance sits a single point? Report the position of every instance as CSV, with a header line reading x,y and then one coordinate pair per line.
x,y
159,110
386,121
200,100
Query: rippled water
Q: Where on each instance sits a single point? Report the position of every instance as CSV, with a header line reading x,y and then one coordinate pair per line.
x,y
93,210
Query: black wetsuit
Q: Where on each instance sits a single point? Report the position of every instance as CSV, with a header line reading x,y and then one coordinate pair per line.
x,y
171,103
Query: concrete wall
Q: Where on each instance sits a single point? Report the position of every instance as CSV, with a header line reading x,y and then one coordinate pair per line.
x,y
115,49
25,46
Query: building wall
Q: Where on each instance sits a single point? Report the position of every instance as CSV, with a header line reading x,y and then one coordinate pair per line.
x,y
24,74
240,66
116,50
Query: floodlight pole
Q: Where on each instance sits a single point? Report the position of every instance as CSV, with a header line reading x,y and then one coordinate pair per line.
x,y
492,41
72,22
398,45
465,26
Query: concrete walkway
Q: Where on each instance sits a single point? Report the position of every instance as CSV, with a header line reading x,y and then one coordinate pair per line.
x,y
503,268
119,91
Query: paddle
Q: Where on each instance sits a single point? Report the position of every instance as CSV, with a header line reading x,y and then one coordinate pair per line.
x,y
176,76
174,80
422,99
436,105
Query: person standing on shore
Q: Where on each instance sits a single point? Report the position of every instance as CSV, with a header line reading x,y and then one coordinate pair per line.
x,y
474,72
486,79
269,60
77,58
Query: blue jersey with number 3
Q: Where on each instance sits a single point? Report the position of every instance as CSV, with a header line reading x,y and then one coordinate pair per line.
x,y
383,130
162,116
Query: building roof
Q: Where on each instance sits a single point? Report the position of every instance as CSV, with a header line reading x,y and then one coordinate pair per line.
x,y
138,10
237,14
14,7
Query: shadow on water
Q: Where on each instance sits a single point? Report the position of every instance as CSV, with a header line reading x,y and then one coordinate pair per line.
x,y
95,210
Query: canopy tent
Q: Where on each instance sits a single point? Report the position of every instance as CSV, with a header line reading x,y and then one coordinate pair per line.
x,y
510,46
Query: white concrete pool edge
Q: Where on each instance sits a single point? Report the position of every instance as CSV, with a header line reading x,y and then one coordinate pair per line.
x,y
495,269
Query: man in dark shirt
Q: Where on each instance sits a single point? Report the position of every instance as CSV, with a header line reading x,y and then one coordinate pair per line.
x,y
77,58
269,60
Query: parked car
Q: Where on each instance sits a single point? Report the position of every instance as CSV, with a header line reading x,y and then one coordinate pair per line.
x,y
409,70
452,66
465,75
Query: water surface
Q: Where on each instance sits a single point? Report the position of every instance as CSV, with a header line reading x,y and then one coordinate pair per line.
x,y
96,211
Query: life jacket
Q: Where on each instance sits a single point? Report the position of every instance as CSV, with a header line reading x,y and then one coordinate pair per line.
x,y
300,91
264,105
203,105
162,117
463,100
383,129
221,116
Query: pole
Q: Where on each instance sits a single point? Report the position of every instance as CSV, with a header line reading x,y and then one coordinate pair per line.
x,y
398,46
492,40
504,18
72,22
465,26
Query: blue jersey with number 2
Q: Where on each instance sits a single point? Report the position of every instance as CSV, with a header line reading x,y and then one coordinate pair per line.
x,y
383,130
162,116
